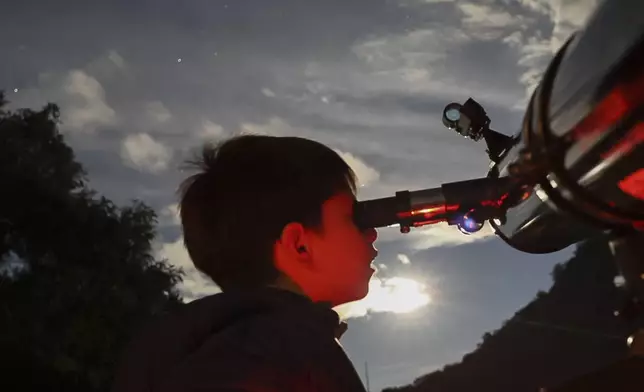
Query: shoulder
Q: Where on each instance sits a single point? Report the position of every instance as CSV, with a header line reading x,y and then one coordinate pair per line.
x,y
279,338
214,343
255,354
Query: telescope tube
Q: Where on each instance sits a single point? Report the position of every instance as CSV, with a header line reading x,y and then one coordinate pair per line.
x,y
583,137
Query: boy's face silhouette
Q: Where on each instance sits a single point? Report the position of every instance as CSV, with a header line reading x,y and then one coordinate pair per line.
x,y
332,264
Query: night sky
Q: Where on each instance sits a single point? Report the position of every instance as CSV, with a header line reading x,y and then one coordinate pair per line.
x,y
141,84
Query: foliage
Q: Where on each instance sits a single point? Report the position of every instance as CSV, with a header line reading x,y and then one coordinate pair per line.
x,y
88,278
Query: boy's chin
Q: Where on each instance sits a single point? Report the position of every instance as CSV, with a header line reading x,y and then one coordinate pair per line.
x,y
359,293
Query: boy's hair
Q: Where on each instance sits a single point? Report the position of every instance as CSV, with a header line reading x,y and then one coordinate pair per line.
x,y
248,188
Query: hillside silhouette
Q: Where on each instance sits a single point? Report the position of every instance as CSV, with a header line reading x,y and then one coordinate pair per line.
x,y
562,334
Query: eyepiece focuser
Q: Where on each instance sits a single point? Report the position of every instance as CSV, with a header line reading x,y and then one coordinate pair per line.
x,y
467,204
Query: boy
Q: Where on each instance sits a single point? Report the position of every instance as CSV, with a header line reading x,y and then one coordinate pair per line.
x,y
270,221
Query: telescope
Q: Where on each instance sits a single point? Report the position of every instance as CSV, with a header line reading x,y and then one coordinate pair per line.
x,y
574,170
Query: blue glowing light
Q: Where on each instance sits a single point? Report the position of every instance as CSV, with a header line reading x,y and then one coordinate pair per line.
x,y
469,225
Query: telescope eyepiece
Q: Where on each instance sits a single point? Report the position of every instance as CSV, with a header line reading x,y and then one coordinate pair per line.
x,y
452,116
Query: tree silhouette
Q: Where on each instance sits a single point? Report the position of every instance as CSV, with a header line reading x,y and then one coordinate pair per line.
x,y
87,276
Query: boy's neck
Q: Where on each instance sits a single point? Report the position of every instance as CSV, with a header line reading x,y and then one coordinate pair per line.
x,y
284,283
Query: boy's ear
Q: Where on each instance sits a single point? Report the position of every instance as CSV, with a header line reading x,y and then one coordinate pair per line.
x,y
293,239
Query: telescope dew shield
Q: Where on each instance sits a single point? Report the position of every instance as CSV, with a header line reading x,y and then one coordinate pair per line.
x,y
604,148
582,142
406,209
379,212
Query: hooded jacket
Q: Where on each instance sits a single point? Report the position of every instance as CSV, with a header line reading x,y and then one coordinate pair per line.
x,y
265,340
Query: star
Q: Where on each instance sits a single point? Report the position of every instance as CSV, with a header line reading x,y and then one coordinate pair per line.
x,y
15,90
178,60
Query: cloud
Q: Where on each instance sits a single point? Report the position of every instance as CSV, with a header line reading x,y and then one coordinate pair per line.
x,y
394,295
275,127
403,258
109,65
408,58
536,29
157,112
170,214
142,152
413,3
79,94
210,130
268,92
569,16
443,60
116,59
487,21
366,174
535,53
540,6
566,15
536,47
432,236
86,107
195,284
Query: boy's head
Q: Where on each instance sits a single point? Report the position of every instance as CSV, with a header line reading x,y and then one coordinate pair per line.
x,y
266,210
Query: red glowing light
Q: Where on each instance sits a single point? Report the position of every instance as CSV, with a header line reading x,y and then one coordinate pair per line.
x,y
613,107
430,210
634,137
633,184
433,214
495,203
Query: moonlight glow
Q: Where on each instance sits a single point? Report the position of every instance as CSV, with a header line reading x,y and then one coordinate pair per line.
x,y
395,295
